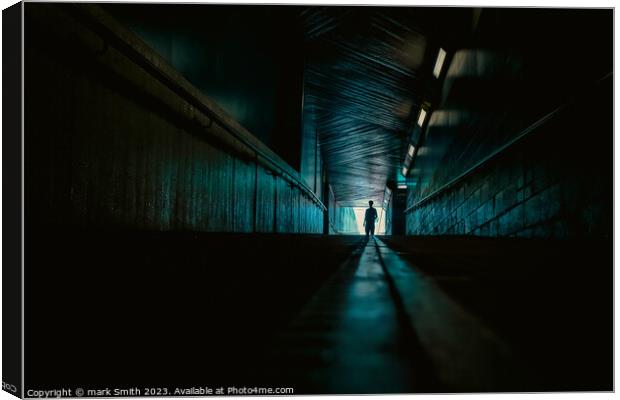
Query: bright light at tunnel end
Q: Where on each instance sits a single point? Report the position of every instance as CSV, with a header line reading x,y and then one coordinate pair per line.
x,y
359,217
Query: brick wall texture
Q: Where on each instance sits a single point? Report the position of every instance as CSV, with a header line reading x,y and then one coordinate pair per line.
x,y
556,183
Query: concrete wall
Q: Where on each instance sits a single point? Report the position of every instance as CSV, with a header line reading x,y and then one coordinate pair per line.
x,y
342,220
115,138
555,183
345,220
388,215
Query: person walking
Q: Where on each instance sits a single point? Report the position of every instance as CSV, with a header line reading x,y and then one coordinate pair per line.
x,y
369,219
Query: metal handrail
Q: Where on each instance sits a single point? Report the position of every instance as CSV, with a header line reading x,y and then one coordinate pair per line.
x,y
180,85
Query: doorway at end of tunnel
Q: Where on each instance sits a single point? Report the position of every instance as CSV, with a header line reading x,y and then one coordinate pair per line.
x,y
359,219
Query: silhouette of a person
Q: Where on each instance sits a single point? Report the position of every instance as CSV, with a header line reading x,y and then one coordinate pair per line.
x,y
370,218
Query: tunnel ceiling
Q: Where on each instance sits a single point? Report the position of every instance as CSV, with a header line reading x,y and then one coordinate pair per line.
x,y
368,70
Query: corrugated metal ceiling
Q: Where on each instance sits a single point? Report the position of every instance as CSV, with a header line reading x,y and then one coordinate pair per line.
x,y
368,70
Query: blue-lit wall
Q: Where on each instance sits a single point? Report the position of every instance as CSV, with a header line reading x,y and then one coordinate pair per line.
x,y
116,147
342,220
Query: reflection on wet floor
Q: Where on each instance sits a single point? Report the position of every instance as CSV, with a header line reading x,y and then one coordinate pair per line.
x,y
380,325
348,338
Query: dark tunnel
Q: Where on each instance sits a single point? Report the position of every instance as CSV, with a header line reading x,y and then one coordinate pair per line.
x,y
196,179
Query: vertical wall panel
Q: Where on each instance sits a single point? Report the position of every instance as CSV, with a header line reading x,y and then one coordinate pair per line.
x,y
295,210
218,205
244,192
265,200
301,212
284,210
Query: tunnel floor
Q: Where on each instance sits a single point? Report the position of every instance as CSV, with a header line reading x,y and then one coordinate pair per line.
x,y
321,314
348,338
